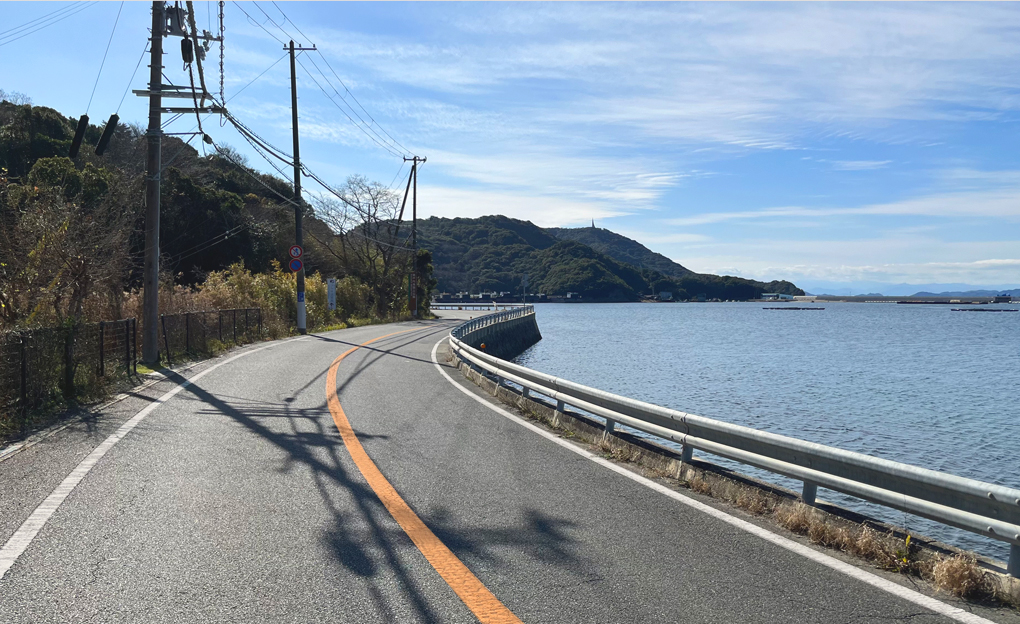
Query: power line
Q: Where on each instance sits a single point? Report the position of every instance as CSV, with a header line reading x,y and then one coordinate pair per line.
x,y
145,49
255,22
394,147
326,79
15,31
340,108
115,22
326,61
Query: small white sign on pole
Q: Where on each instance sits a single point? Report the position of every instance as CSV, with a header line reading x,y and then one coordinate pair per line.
x,y
331,290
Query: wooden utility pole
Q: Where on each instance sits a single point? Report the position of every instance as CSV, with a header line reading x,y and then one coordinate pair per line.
x,y
154,134
412,301
298,234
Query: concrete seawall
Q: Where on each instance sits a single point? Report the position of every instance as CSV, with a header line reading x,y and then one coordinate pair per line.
x,y
507,339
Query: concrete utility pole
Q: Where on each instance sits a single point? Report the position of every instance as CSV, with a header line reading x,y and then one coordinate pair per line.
x,y
298,233
150,279
413,285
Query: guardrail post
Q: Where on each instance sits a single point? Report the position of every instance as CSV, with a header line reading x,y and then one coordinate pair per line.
x,y
1013,567
610,426
526,393
102,348
808,493
686,453
560,406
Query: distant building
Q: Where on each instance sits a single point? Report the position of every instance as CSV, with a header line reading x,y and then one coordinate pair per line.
x,y
776,297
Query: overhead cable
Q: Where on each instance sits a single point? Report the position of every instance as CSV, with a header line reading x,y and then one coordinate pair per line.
x,y
28,28
115,22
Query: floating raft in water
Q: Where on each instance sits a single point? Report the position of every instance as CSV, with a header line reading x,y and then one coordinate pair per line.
x,y
785,308
983,310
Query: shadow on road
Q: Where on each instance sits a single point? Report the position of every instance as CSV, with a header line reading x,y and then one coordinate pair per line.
x,y
310,439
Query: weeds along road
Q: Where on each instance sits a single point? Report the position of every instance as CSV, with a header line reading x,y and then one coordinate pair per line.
x,y
250,495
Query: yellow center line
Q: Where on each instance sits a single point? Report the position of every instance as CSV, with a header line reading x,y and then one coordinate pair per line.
x,y
486,607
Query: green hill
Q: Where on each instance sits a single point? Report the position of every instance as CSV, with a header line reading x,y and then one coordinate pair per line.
x,y
492,254
621,249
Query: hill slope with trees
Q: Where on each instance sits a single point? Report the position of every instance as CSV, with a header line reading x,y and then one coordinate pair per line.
x,y
492,254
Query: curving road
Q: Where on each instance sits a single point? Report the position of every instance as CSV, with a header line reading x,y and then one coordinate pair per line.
x,y
244,497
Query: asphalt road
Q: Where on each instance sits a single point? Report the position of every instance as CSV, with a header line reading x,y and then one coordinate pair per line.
x,y
237,501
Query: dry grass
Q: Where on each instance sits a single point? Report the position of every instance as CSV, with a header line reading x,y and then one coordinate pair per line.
x,y
961,575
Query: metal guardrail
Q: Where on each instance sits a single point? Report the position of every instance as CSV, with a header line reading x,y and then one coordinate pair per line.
x,y
984,508
491,305
491,319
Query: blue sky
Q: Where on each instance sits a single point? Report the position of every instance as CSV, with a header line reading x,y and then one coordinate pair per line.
x,y
849,146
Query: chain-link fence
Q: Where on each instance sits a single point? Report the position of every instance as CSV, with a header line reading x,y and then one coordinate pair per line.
x,y
191,334
41,369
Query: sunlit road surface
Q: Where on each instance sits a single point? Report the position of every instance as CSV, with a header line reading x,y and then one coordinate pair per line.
x,y
238,499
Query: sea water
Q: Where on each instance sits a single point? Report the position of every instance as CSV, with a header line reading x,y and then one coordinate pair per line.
x,y
920,384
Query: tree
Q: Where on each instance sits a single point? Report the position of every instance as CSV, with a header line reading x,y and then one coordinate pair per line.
x,y
64,242
368,239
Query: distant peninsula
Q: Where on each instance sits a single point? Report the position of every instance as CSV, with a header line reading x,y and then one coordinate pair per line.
x,y
492,253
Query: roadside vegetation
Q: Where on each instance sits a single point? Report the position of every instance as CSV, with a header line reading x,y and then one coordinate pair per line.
x,y
72,236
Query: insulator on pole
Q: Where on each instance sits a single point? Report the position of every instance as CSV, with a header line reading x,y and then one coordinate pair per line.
x,y
107,134
79,134
186,52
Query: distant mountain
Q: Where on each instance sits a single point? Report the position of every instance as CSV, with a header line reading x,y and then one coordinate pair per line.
x,y
492,254
621,249
970,293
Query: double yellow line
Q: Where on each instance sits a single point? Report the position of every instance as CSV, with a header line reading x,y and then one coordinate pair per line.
x,y
486,607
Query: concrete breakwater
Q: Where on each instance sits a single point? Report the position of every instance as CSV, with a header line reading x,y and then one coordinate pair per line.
x,y
506,339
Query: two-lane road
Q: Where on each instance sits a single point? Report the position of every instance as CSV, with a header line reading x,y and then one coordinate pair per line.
x,y
256,494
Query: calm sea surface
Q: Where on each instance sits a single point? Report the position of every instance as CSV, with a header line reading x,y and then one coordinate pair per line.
x,y
913,383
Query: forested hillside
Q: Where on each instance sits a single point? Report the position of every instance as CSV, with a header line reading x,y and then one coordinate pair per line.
x,y
621,249
72,235
493,253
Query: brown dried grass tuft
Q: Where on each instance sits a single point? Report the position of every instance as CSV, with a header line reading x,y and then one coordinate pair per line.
x,y
961,575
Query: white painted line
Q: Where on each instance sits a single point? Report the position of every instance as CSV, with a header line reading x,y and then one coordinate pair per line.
x,y
23,537
886,585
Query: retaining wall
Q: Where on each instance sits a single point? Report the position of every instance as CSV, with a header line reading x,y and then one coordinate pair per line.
x,y
506,339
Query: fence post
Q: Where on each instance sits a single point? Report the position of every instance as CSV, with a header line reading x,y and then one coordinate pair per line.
x,y
187,332
260,323
24,383
234,324
134,345
102,348
246,336
219,319
69,363
127,348
166,343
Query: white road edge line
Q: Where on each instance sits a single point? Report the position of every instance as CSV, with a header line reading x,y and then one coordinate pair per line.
x,y
27,532
886,585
